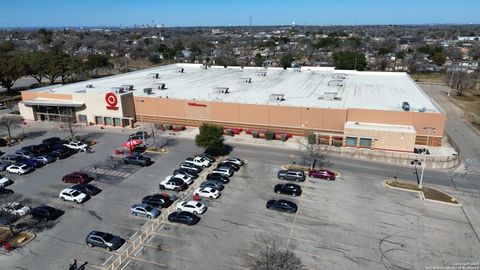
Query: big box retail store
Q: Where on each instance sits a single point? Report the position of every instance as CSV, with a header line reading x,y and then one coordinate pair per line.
x,y
375,110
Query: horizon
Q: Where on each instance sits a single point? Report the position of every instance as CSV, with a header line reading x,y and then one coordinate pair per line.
x,y
190,13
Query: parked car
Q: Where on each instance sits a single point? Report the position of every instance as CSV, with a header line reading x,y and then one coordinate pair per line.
x,y
237,161
232,165
198,161
294,175
53,141
224,170
4,165
290,189
218,177
137,160
191,167
322,174
34,149
190,174
10,159
140,135
45,212
207,157
30,162
157,200
7,220
15,208
144,210
25,154
173,184
184,217
59,154
183,177
19,169
213,184
193,207
3,142
207,192
45,159
282,205
88,189
73,195
77,178
104,240
77,145
5,182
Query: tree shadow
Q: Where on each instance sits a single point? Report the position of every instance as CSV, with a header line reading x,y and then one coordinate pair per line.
x,y
222,151
33,134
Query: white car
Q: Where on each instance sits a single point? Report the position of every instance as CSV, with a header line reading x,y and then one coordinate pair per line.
x,y
193,207
5,182
15,208
73,195
77,146
207,192
19,169
223,170
198,161
237,161
186,179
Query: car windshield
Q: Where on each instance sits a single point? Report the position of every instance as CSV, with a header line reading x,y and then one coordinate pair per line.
x,y
17,206
198,205
107,237
148,208
75,193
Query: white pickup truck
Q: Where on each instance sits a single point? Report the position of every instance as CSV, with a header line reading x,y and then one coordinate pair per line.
x,y
199,161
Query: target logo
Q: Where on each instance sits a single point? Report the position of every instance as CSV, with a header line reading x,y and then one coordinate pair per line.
x,y
112,101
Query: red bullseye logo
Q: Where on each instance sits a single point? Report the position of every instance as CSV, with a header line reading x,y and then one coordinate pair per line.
x,y
112,101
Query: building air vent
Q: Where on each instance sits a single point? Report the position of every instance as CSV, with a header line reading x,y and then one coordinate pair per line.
x,y
261,73
424,109
339,76
221,90
81,91
147,91
160,86
153,75
246,79
340,83
277,97
180,70
89,86
128,87
204,66
405,106
329,96
118,89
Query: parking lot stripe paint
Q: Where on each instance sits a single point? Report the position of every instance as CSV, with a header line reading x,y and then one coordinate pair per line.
x,y
125,266
295,218
154,263
136,253
150,239
108,259
133,235
96,267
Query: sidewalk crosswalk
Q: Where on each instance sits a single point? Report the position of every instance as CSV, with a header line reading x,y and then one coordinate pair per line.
x,y
107,172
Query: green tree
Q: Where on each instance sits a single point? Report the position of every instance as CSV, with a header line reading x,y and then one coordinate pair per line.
x,y
97,61
45,36
349,60
286,60
54,66
438,58
383,51
12,68
258,60
36,64
6,46
71,66
210,138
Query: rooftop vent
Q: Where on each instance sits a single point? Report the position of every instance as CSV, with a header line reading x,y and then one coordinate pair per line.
x,y
81,91
277,97
405,106
261,73
128,87
340,83
180,70
330,96
221,90
204,66
153,75
147,91
297,69
160,86
246,79
118,89
340,76
89,86
424,109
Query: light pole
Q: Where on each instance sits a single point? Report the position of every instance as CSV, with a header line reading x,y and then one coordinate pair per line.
x,y
429,131
141,122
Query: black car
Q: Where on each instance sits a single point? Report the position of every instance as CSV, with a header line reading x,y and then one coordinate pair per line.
x,y
157,200
45,213
232,165
138,160
282,205
184,217
212,184
218,177
290,189
139,135
188,173
59,154
3,142
53,141
191,167
5,192
104,240
64,149
88,189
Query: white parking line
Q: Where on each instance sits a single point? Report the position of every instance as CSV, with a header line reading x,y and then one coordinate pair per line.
x,y
125,266
136,253
150,239
133,235
108,259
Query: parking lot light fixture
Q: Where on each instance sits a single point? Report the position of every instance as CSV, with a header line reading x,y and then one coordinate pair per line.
x,y
430,130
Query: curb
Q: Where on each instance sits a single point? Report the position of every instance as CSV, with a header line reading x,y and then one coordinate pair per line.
x,y
423,196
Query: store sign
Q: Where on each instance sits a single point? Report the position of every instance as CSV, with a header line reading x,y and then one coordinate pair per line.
x,y
196,104
112,101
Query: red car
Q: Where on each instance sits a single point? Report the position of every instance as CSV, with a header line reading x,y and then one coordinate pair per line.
x,y
322,174
77,178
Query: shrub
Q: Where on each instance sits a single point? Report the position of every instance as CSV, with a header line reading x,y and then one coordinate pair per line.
x,y
312,138
283,137
269,135
167,127
254,134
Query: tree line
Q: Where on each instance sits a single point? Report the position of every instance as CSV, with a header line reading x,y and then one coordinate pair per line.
x,y
53,65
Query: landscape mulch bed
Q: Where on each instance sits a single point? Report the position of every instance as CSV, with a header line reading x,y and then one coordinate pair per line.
x,y
18,239
428,193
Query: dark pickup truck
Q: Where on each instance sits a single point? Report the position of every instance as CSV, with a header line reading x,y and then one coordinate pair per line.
x,y
138,160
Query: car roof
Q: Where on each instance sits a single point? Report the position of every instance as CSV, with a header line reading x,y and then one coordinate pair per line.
x,y
68,190
143,205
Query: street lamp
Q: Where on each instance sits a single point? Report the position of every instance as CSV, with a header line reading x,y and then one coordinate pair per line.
x,y
429,130
416,162
141,121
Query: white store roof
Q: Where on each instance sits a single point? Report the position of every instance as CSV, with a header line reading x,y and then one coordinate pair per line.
x,y
311,87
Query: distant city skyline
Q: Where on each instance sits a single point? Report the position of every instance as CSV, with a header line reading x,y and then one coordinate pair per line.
x,y
89,13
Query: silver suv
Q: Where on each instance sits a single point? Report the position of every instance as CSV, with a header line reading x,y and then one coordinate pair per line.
x,y
293,175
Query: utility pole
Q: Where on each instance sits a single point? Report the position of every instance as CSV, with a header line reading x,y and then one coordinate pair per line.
x,y
451,78
429,130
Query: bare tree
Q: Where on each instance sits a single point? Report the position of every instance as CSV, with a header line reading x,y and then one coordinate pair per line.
x,y
270,254
6,216
310,150
69,124
9,121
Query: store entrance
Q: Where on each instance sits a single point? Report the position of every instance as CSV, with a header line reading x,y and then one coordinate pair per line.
x,y
54,114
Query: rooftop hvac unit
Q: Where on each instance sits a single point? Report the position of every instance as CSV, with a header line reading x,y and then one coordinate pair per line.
x,y
118,89
424,109
340,83
277,97
261,73
153,75
160,86
180,70
246,79
340,76
405,106
221,90
128,87
329,96
89,86
147,91
204,66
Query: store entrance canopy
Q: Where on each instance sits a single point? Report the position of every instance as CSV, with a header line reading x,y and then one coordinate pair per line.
x,y
53,103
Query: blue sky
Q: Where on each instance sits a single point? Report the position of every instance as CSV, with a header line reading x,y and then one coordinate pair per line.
x,y
35,13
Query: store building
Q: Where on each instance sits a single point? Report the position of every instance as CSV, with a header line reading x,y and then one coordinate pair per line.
x,y
376,110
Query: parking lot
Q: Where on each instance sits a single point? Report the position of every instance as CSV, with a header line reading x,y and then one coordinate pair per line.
x,y
351,223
